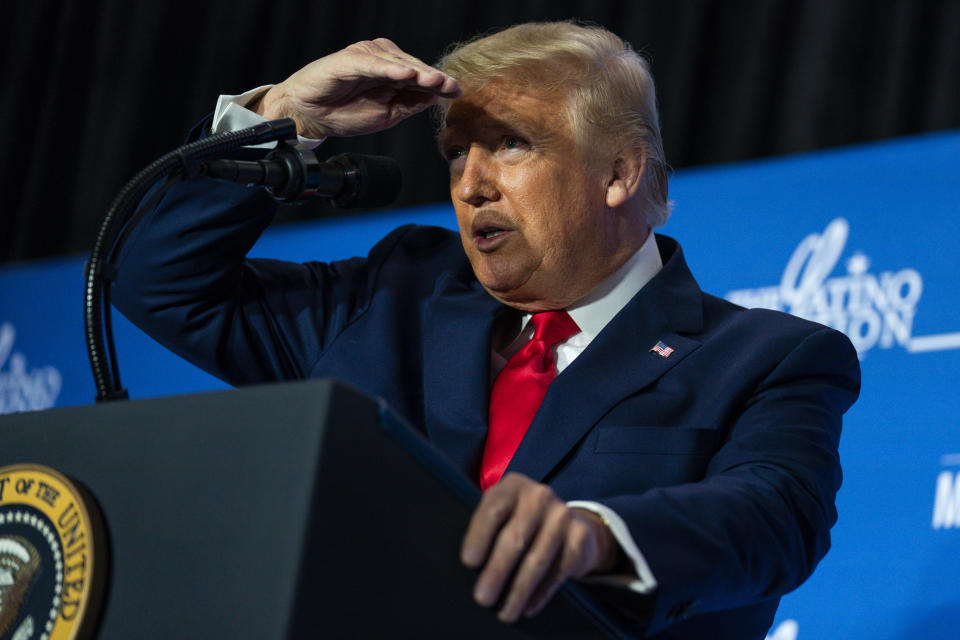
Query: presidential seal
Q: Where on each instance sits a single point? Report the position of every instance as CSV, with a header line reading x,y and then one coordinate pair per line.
x,y
51,556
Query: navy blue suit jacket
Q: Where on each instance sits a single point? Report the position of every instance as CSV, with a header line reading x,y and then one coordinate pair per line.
x,y
721,458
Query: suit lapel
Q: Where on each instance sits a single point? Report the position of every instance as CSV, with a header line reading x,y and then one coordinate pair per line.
x,y
458,321
617,364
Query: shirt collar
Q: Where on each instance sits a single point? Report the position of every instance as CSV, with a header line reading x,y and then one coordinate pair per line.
x,y
596,309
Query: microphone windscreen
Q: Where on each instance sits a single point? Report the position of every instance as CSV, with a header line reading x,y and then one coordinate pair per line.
x,y
378,180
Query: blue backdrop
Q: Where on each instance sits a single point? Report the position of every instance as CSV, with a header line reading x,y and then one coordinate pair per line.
x,y
863,239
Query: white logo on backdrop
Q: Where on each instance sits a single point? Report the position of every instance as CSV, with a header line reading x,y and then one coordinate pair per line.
x,y
946,500
872,309
22,389
786,630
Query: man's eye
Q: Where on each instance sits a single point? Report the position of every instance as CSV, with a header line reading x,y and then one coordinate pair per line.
x,y
513,142
454,153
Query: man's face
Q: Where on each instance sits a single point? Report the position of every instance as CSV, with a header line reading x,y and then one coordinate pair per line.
x,y
531,207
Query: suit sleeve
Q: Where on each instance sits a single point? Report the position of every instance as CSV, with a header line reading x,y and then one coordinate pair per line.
x,y
183,277
758,523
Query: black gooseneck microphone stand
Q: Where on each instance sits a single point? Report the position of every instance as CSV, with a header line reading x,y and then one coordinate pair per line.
x,y
288,174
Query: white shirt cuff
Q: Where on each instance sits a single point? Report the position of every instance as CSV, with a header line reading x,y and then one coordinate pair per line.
x,y
643,582
232,114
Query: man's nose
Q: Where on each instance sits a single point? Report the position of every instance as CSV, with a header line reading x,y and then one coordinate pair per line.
x,y
477,184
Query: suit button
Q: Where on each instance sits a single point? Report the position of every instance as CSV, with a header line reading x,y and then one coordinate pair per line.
x,y
682,611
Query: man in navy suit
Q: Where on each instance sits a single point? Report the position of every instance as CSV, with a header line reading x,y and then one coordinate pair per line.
x,y
686,449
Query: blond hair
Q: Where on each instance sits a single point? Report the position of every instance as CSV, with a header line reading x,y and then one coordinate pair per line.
x,y
609,88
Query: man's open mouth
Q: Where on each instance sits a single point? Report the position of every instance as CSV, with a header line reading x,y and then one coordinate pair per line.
x,y
491,232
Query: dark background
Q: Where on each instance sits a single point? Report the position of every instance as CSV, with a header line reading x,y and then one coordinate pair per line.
x,y
93,90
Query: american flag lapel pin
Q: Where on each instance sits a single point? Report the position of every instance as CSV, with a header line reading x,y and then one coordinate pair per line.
x,y
662,349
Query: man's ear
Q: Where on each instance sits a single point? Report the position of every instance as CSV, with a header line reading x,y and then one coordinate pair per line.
x,y
627,176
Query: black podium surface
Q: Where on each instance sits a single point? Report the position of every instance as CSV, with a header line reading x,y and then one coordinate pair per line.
x,y
282,511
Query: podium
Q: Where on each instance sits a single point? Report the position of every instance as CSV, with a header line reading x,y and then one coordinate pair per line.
x,y
295,510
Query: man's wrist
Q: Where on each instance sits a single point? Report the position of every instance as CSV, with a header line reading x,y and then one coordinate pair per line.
x,y
256,104
609,554
634,573
233,112
269,104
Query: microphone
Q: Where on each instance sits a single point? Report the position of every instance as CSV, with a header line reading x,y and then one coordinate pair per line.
x,y
348,179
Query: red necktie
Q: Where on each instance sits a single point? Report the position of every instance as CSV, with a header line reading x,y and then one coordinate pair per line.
x,y
518,391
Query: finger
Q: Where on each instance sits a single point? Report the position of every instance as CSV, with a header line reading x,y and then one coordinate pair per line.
x,y
386,48
574,561
408,103
539,559
513,541
507,551
404,74
400,65
542,597
494,509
